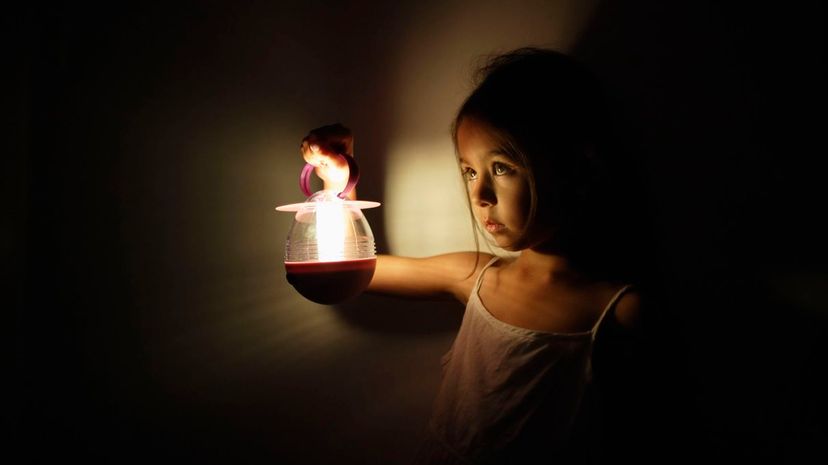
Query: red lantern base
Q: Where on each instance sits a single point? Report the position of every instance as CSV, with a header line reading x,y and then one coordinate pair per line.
x,y
331,282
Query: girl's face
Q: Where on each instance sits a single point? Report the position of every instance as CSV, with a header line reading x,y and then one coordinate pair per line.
x,y
498,186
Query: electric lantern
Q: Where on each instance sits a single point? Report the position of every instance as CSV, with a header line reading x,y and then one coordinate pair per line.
x,y
330,254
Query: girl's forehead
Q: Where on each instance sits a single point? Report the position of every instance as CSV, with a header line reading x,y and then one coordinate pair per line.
x,y
473,127
479,141
475,136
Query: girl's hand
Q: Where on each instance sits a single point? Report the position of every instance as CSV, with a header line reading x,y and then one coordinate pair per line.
x,y
321,148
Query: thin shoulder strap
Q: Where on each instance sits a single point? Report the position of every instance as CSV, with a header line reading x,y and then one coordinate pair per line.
x,y
480,275
609,307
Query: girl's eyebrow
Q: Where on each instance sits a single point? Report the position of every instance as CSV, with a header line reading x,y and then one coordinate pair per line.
x,y
491,153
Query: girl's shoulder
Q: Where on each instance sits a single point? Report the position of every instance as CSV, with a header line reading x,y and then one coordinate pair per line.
x,y
628,309
622,303
473,264
452,273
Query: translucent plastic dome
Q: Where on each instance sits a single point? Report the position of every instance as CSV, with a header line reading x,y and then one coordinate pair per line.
x,y
330,254
327,228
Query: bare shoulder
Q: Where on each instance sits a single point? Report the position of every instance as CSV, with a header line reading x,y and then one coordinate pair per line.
x,y
473,260
628,309
464,268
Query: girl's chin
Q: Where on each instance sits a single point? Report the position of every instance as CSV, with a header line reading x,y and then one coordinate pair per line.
x,y
508,244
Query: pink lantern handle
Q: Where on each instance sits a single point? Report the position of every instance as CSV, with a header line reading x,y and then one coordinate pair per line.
x,y
353,177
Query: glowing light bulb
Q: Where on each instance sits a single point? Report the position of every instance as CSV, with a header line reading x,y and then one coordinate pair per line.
x,y
330,230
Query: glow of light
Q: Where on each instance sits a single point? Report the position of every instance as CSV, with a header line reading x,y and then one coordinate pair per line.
x,y
427,212
330,231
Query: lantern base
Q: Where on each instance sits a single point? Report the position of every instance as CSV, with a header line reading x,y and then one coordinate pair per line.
x,y
330,283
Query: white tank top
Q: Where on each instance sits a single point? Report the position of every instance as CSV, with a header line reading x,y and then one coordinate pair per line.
x,y
508,391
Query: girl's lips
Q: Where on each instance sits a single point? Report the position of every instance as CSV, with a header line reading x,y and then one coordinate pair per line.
x,y
493,226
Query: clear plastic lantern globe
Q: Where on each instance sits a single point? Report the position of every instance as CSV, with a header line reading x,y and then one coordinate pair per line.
x,y
330,254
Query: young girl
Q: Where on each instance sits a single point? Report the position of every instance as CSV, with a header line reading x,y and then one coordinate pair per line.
x,y
531,146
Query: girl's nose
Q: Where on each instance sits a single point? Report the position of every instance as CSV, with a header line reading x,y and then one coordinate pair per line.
x,y
482,192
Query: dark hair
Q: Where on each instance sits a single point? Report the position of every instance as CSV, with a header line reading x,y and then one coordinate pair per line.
x,y
549,113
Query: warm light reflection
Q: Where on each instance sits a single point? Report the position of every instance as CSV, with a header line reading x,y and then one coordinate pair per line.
x,y
330,230
426,212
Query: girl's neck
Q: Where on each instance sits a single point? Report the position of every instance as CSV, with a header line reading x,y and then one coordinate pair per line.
x,y
545,266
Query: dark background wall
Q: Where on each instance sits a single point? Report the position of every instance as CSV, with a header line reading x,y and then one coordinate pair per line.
x,y
149,145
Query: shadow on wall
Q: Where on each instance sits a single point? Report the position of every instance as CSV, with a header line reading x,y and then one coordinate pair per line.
x,y
398,316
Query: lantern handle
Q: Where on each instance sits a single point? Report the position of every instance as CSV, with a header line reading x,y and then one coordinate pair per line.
x,y
353,177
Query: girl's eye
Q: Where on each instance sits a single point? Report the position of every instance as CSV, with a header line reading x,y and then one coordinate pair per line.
x,y
500,169
469,174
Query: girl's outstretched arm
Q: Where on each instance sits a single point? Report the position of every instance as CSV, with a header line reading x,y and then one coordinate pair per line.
x,y
439,277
